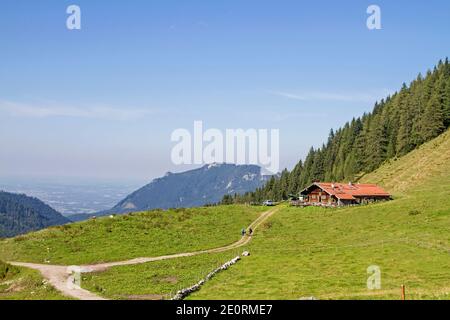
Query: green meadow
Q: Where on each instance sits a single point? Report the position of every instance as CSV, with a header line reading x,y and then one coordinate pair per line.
x,y
297,253
308,252
143,234
24,284
325,253
157,280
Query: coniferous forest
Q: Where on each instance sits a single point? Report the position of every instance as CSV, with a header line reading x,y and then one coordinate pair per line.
x,y
21,214
397,125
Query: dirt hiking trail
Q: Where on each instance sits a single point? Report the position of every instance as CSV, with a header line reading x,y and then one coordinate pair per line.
x,y
62,279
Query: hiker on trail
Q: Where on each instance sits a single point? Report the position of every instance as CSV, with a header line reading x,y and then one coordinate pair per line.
x,y
250,231
243,231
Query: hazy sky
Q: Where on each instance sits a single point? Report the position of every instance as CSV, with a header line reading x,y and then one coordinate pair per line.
x,y
102,101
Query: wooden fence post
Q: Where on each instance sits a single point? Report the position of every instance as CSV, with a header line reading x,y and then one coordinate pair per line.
x,y
403,292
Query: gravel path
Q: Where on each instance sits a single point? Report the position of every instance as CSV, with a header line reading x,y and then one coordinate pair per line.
x,y
62,280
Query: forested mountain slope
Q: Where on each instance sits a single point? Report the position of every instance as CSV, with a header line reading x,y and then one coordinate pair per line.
x,y
20,214
400,175
397,125
192,188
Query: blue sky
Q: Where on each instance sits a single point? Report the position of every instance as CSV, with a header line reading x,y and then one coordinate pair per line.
x,y
101,102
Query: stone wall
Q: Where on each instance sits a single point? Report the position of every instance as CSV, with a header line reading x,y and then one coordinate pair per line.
x,y
183,293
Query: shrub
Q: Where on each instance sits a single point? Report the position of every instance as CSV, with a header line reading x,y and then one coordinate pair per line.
x,y
7,270
414,212
20,238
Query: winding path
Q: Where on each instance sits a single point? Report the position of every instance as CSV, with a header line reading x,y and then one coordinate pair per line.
x,y
62,279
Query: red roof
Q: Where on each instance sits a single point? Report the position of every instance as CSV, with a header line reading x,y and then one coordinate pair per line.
x,y
350,191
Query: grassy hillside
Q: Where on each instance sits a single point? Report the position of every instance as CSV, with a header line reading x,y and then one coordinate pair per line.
x,y
157,280
129,236
297,253
24,284
429,162
326,252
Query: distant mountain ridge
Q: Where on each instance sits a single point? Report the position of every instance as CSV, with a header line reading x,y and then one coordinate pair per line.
x,y
198,187
21,214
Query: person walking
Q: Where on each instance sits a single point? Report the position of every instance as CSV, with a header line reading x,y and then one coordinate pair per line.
x,y
243,232
250,232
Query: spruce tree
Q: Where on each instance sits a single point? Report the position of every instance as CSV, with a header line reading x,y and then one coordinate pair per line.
x,y
433,118
403,139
